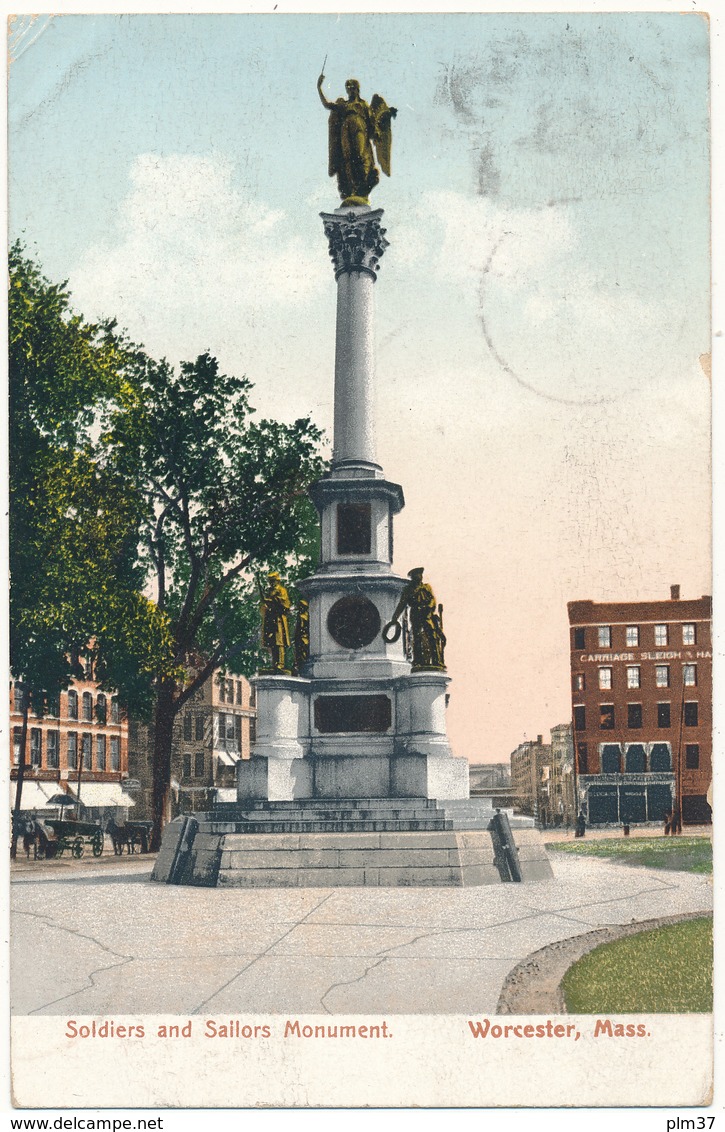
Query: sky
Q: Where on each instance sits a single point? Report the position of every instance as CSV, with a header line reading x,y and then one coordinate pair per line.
x,y
542,310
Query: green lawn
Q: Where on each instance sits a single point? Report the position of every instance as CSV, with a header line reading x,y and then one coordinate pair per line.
x,y
690,854
665,971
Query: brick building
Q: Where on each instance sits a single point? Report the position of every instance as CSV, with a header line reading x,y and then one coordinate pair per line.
x,y
212,732
77,748
641,680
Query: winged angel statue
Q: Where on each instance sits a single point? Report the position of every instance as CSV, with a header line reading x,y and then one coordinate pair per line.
x,y
355,127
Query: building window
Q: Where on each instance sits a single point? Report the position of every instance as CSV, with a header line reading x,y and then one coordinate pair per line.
x,y
604,636
663,715
579,682
187,727
199,728
53,749
661,636
611,756
580,718
186,763
199,764
228,730
692,756
606,717
689,675
633,676
605,678
252,697
101,752
582,751
36,746
18,697
87,707
72,704
72,750
635,759
634,715
662,675
632,636
54,705
115,710
689,634
101,708
87,741
239,691
230,691
580,639
222,686
17,736
691,713
252,732
660,758
115,753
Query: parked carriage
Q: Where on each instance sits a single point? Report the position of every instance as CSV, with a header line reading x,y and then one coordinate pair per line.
x,y
73,836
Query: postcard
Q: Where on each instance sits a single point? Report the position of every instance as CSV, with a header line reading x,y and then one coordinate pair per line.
x,y
360,728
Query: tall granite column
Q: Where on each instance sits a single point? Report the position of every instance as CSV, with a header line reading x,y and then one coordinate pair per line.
x,y
356,243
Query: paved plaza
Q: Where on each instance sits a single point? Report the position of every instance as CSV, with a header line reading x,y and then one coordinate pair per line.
x,y
98,938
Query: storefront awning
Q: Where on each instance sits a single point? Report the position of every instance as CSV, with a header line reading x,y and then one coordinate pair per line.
x,y
226,758
35,795
104,794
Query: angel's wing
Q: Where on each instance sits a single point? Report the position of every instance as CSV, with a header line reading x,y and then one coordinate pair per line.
x,y
382,116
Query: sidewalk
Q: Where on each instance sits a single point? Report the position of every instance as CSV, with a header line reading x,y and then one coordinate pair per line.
x,y
102,939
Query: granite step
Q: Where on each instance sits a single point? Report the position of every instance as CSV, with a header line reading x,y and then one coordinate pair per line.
x,y
332,825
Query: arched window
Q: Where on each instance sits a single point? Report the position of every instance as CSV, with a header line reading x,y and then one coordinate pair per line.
x,y
635,759
101,707
87,707
72,704
660,758
611,753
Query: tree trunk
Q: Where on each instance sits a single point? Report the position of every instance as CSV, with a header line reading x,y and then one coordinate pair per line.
x,y
164,717
21,775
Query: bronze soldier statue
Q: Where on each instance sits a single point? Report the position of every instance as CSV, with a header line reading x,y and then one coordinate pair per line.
x,y
426,622
302,635
355,127
274,609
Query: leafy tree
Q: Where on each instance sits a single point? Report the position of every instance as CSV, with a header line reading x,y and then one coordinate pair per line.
x,y
74,519
226,498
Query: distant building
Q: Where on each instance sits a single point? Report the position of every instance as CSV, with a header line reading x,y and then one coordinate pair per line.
x,y
527,764
77,748
489,776
641,681
213,730
556,796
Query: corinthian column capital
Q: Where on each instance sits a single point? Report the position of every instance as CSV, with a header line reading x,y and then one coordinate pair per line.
x,y
356,240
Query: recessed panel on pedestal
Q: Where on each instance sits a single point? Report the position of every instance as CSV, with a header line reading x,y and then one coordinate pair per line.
x,y
353,528
341,714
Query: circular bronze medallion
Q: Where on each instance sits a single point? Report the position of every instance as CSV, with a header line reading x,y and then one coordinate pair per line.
x,y
353,622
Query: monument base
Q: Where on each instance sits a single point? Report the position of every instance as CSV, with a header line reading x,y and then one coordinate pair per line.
x,y
274,846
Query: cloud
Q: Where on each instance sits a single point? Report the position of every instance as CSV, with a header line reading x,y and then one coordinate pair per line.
x,y
553,313
191,254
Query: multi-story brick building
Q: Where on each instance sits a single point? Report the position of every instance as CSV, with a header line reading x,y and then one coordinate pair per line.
x,y
641,679
527,763
77,748
213,730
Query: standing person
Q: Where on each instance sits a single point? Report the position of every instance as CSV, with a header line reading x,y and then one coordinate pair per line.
x,y
581,825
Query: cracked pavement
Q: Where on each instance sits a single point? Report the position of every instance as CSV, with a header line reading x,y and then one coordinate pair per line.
x,y
107,941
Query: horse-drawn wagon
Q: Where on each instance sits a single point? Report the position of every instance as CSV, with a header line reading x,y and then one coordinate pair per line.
x,y
73,836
